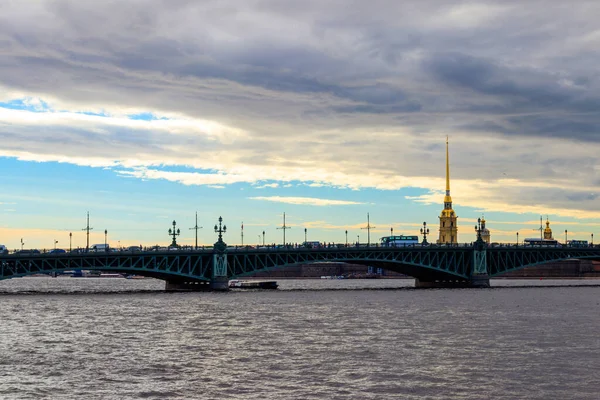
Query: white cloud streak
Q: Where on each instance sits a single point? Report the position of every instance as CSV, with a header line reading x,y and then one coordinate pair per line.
x,y
306,201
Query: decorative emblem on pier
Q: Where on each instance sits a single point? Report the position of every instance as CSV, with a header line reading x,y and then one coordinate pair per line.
x,y
220,257
425,232
479,254
174,232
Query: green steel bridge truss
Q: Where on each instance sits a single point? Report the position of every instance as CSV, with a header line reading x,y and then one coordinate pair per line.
x,y
422,262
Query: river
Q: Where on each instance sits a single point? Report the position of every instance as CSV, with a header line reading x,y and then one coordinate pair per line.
x,y
95,338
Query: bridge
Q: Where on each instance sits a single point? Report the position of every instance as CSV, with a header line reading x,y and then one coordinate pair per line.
x,y
469,265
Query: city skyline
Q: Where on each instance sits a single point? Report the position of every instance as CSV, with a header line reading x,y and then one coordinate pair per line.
x,y
326,113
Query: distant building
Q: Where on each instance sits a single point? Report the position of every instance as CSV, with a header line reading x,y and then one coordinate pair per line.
x,y
485,232
448,218
548,231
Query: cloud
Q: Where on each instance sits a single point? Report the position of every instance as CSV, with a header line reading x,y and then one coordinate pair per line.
x,y
310,201
267,185
318,93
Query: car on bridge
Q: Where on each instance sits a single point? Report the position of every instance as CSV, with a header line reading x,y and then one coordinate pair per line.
x,y
99,248
57,251
28,251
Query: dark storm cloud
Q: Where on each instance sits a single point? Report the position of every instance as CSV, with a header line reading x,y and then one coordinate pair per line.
x,y
378,58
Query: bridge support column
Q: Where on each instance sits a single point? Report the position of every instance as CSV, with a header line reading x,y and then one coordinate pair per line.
x,y
480,281
219,280
479,272
220,283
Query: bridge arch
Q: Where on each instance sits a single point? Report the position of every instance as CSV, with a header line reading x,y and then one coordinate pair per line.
x,y
413,269
496,271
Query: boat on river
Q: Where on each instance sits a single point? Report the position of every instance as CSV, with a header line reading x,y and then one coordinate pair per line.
x,y
242,284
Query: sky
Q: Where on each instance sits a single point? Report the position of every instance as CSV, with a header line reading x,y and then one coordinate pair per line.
x,y
147,112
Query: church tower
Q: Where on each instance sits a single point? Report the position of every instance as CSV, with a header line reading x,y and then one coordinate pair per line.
x,y
548,231
448,228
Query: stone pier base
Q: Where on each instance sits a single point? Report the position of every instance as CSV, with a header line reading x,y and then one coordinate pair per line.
x,y
478,281
220,283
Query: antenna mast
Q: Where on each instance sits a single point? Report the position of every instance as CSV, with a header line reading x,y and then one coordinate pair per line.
x,y
284,227
196,229
87,229
368,228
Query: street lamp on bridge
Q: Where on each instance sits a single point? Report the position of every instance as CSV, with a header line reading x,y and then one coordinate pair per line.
x,y
357,240
305,236
517,238
55,242
174,232
105,239
566,237
592,242
221,229
22,243
70,240
346,237
391,231
479,229
263,238
425,232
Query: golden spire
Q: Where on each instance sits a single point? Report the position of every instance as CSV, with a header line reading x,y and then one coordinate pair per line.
x,y
447,198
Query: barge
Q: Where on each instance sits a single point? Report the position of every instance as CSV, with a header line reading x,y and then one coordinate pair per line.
x,y
240,284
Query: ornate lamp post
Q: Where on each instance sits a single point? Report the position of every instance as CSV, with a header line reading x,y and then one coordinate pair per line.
x,y
304,235
221,229
70,240
425,232
55,241
174,232
263,238
105,239
357,240
566,237
346,237
478,229
592,242
391,231
22,243
517,238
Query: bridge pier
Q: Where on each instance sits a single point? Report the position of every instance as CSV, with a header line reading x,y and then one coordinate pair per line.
x,y
480,281
220,283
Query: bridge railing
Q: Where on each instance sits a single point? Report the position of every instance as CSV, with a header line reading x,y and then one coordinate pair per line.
x,y
277,247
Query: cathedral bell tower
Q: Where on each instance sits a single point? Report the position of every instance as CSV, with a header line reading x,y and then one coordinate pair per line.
x,y
448,228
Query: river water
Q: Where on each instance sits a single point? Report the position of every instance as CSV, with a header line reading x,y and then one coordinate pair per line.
x,y
88,338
